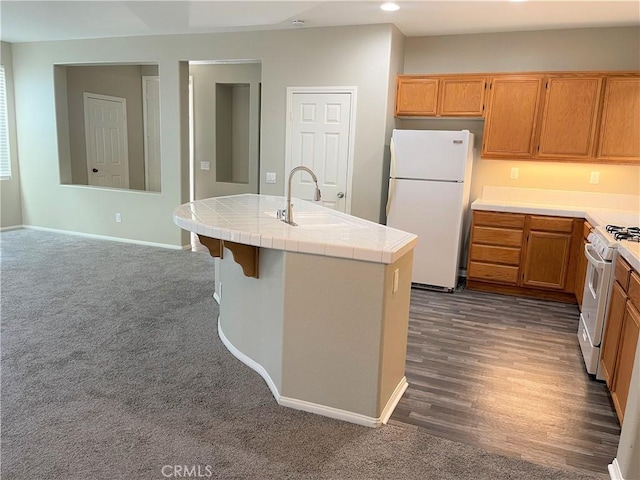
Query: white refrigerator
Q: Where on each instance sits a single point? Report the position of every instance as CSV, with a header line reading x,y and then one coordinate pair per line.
x,y
429,184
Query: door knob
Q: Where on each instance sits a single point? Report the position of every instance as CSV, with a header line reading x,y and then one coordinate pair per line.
x,y
94,170
340,194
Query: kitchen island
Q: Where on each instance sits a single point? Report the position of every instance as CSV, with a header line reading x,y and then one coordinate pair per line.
x,y
320,310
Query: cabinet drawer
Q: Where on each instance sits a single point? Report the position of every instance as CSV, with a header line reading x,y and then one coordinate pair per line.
x,y
622,273
497,219
634,289
493,273
551,224
491,254
497,236
587,228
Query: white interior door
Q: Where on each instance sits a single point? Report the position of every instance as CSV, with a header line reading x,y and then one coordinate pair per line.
x,y
319,137
105,124
151,119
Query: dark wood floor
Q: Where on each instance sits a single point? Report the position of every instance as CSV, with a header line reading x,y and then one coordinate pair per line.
x,y
506,374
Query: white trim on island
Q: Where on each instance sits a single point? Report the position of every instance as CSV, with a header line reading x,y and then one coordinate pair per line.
x,y
310,407
614,470
249,362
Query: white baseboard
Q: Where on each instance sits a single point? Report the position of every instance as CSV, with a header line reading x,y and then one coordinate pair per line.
x,y
316,408
330,412
614,470
393,400
12,227
112,239
249,362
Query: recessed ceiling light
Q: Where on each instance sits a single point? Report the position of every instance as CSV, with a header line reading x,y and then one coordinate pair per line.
x,y
389,7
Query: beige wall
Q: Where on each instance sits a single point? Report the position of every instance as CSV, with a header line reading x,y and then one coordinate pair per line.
x,y
582,49
124,81
343,56
10,201
396,66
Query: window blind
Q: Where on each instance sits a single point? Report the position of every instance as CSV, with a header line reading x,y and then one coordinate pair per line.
x,y
5,160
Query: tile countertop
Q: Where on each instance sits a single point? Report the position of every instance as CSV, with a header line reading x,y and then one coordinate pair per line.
x,y
250,219
598,217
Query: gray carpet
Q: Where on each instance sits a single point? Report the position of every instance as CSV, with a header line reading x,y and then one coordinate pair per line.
x,y
112,369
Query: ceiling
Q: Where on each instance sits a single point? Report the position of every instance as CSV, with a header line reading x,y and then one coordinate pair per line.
x,y
30,21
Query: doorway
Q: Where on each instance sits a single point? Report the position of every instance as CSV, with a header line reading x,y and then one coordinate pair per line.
x,y
320,131
106,139
151,123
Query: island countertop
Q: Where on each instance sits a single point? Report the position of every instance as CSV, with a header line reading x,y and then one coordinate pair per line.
x,y
250,219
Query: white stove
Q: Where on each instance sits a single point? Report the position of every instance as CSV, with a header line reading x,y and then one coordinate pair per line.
x,y
600,252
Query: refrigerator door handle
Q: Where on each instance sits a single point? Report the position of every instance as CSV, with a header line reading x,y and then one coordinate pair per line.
x,y
392,176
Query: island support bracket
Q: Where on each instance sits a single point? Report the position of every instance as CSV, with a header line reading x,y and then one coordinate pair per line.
x,y
244,255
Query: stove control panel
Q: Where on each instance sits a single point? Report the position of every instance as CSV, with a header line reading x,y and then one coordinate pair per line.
x,y
603,243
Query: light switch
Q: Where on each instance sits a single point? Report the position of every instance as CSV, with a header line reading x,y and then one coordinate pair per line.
x,y
118,218
271,177
204,165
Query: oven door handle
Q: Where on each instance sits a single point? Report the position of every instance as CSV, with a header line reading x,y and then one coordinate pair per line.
x,y
597,262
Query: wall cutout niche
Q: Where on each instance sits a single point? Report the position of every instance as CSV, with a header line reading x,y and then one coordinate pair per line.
x,y
108,119
226,126
232,132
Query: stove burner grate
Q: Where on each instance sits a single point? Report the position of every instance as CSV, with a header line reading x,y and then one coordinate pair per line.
x,y
631,234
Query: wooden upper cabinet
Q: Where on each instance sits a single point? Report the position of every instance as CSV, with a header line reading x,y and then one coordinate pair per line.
x,y
552,116
510,125
417,96
462,96
620,125
440,95
569,117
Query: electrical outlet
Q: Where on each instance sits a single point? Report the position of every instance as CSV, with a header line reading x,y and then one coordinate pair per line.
x,y
118,217
205,165
396,280
595,178
271,177
515,171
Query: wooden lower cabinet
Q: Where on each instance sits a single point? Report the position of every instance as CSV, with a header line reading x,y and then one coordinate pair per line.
x,y
611,338
494,255
546,260
621,332
493,273
525,254
625,358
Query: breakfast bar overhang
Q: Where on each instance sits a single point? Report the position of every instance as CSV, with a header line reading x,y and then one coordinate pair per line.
x,y
320,310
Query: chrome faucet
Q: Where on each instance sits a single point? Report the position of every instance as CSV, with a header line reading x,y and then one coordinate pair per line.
x,y
286,215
